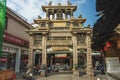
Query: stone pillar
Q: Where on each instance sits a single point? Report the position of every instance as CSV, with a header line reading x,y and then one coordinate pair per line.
x,y
66,15
44,51
47,14
17,63
44,56
53,16
71,24
71,15
89,54
47,24
30,57
75,54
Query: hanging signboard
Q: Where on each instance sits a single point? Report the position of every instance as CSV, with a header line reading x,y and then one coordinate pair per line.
x,y
112,64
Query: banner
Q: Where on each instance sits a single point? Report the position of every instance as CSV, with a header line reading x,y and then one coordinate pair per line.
x,y
2,21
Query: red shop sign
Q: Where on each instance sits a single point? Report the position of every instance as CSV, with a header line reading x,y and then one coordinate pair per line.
x,y
13,39
3,59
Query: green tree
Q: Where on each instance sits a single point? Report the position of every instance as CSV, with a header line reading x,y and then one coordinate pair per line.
x,y
2,21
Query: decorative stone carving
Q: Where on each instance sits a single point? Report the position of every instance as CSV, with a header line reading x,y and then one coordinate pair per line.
x,y
50,3
81,38
69,3
58,43
39,17
80,16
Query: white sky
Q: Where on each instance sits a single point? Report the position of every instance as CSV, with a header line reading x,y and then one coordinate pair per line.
x,y
30,9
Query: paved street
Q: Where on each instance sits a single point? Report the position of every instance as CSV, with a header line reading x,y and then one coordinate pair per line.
x,y
65,77
68,76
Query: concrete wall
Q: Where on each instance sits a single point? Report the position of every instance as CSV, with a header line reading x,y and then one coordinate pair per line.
x,y
15,27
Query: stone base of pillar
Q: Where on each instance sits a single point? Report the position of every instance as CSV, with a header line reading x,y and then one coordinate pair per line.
x,y
43,73
76,73
90,72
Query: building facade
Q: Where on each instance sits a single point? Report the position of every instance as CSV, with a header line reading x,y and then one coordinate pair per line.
x,y
15,43
60,36
106,34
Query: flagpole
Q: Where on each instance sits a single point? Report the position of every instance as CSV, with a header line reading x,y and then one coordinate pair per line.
x,y
2,21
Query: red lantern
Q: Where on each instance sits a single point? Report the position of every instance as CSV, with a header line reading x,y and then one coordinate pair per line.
x,y
108,44
105,48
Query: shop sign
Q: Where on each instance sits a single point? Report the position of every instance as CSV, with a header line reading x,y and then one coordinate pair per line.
x,y
112,64
3,59
24,51
8,49
60,55
13,39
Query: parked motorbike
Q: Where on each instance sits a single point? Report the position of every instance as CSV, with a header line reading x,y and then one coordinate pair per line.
x,y
56,69
28,75
37,71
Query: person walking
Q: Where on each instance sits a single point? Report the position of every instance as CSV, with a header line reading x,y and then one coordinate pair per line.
x,y
102,69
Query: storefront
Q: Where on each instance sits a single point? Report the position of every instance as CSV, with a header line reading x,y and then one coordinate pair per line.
x,y
9,54
13,51
3,62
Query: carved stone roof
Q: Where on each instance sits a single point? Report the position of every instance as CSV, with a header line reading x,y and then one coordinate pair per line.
x,y
60,7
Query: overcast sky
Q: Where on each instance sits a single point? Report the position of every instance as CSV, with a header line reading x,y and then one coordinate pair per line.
x,y
30,9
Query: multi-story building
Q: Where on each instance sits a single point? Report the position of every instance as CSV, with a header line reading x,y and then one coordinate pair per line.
x,y
60,38
16,41
106,34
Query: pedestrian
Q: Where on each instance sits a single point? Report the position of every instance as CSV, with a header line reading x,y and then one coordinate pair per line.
x,y
102,69
97,64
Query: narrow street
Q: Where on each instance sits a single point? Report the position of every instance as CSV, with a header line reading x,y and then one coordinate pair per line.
x,y
67,76
60,40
